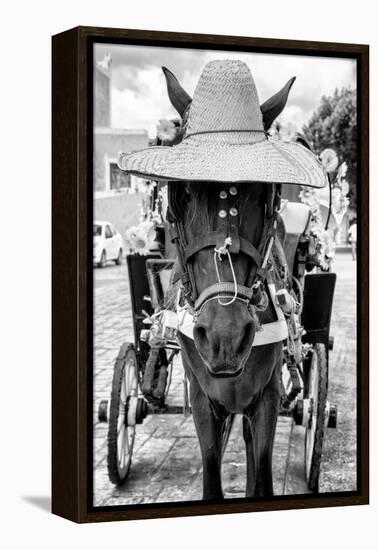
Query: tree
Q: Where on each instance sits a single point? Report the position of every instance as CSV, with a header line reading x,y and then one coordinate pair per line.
x,y
334,125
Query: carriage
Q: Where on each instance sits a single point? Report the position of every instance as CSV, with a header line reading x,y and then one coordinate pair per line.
x,y
143,368
286,300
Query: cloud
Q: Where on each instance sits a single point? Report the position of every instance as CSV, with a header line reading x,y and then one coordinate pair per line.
x,y
128,61
135,110
139,97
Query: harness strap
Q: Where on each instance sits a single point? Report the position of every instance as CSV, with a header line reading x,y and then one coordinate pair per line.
x,y
211,240
266,240
205,241
222,290
250,250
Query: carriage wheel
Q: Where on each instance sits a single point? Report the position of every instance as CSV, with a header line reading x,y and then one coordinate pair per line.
x,y
317,385
121,432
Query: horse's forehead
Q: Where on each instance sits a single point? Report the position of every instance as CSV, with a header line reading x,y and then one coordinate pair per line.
x,y
212,206
250,189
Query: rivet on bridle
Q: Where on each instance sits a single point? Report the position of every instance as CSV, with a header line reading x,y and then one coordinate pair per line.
x,y
233,212
223,194
233,191
222,213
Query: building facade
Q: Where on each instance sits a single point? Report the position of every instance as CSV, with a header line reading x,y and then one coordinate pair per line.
x,y
116,196
108,143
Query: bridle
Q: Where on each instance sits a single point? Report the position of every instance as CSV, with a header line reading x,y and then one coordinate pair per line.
x,y
225,240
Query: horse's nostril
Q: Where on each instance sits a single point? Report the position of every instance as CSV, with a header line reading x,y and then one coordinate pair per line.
x,y
206,340
200,334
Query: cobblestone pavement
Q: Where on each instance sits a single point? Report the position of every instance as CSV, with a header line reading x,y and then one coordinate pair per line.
x,y
166,464
339,458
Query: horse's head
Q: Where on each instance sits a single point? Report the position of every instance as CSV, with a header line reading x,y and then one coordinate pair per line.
x,y
221,236
223,334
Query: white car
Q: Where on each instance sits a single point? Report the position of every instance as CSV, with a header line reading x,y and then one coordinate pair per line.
x,y
107,244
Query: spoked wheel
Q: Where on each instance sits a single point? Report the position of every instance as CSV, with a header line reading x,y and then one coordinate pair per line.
x,y
317,384
123,414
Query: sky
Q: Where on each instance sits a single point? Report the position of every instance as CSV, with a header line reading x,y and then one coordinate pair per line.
x,y
138,91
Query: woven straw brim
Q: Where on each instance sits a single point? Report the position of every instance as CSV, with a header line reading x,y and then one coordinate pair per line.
x,y
228,157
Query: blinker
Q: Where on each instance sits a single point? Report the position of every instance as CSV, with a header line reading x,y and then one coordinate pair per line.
x,y
233,191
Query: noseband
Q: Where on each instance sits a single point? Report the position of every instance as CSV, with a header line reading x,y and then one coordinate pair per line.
x,y
225,240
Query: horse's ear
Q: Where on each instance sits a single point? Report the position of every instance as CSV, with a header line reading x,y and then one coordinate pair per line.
x,y
176,93
275,105
300,138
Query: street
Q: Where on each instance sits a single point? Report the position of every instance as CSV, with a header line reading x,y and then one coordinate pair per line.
x,y
166,464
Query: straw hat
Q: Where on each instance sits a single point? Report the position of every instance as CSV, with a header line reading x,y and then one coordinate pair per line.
x,y
224,139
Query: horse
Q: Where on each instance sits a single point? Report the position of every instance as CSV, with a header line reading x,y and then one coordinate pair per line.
x,y
227,374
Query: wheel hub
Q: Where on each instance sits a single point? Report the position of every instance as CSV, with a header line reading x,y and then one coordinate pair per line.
x,y
302,412
136,410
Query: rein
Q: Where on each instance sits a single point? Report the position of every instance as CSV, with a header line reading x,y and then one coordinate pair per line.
x,y
225,241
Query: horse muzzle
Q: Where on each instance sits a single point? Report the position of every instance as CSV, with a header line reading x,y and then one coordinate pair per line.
x,y
225,372
224,337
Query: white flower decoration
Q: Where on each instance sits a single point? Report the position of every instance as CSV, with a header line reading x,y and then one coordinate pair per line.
x,y
166,130
329,160
140,238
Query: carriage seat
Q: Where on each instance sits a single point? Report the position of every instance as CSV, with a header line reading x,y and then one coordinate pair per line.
x,y
296,218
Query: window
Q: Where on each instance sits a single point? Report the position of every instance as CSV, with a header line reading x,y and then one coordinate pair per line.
x,y
97,230
108,232
118,178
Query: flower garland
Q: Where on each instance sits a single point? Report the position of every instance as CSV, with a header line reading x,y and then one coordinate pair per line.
x,y
141,237
325,242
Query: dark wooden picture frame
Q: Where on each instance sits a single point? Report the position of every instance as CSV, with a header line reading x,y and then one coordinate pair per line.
x,y
72,193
